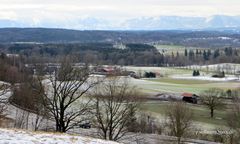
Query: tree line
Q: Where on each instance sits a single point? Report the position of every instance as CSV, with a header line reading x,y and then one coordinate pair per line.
x,y
132,54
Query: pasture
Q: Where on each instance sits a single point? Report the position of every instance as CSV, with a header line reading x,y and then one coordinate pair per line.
x,y
180,85
201,115
163,71
178,81
169,49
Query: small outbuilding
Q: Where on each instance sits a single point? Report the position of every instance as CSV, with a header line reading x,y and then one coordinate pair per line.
x,y
190,98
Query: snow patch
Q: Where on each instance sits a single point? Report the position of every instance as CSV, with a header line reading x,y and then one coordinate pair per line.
x,y
206,78
27,137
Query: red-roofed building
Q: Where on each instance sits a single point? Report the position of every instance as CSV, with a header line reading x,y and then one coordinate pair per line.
x,y
108,70
187,94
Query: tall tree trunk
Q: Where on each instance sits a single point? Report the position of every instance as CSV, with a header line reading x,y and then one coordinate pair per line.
x,y
62,124
179,140
211,113
105,134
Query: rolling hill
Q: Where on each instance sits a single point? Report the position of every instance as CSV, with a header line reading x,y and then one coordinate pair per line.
x,y
176,37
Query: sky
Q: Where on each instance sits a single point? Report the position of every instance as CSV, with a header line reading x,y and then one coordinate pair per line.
x,y
36,12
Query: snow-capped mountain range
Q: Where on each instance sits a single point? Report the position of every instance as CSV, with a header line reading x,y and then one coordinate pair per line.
x,y
176,22
142,23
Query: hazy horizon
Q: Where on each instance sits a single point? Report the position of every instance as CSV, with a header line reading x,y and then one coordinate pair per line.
x,y
108,14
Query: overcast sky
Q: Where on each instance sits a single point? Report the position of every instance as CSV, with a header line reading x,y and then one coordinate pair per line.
x,y
36,11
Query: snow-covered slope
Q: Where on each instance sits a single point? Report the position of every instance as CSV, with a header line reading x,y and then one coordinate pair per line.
x,y
9,136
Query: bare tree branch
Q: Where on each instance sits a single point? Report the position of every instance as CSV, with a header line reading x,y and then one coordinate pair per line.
x,y
4,89
212,99
64,95
179,119
115,100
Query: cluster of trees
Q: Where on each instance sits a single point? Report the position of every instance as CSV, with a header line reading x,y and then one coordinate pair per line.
x,y
111,104
216,55
149,75
211,39
12,69
70,97
196,73
132,54
94,53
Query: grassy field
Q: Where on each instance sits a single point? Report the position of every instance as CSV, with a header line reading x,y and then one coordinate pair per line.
x,y
172,85
168,49
200,113
179,81
172,88
179,85
168,83
165,71
228,68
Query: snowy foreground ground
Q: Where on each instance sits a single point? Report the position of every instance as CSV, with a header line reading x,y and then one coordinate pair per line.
x,y
17,136
9,136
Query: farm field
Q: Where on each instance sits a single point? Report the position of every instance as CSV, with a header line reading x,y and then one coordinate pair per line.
x,y
176,80
163,71
200,113
168,49
179,81
162,85
228,68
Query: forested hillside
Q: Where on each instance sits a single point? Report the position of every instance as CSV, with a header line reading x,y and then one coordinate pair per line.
x,y
185,38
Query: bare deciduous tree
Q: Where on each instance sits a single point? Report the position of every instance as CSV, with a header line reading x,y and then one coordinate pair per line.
x,y
28,97
21,119
212,99
179,119
146,124
233,119
4,88
115,106
64,92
